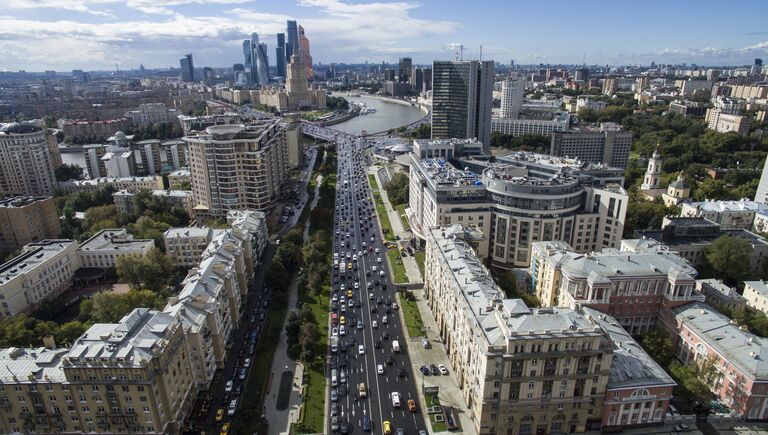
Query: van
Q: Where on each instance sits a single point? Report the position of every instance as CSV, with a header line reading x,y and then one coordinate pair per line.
x,y
334,377
232,407
395,346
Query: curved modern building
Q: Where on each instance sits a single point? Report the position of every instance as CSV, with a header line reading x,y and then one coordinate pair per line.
x,y
27,162
236,166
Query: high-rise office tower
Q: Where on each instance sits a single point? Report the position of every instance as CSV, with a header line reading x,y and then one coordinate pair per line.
x,y
247,57
758,62
26,164
293,40
581,75
209,75
462,99
187,68
280,59
389,75
512,94
306,58
259,61
417,80
405,69
427,84
333,70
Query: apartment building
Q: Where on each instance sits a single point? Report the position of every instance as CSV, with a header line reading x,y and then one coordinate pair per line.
x,y
756,295
543,124
104,248
723,122
42,271
740,375
179,179
720,295
27,219
729,214
634,286
181,199
237,166
200,123
691,236
526,197
251,225
149,114
80,130
27,163
521,370
608,144
134,376
184,246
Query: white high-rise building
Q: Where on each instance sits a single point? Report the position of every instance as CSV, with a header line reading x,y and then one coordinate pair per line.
x,y
26,164
512,95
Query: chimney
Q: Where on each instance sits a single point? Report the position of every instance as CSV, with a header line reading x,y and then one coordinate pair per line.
x,y
49,342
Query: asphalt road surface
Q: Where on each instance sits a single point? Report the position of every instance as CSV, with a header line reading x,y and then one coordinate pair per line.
x,y
356,231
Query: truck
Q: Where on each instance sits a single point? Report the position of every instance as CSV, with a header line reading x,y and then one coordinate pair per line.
x,y
395,346
334,344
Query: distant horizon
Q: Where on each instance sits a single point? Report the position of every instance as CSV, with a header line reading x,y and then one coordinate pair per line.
x,y
93,35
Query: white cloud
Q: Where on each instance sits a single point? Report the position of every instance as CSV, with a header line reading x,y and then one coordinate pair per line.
x,y
156,7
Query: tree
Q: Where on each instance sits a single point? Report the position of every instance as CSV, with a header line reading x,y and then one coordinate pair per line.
x,y
292,327
659,346
109,307
68,172
728,258
69,332
397,188
277,276
151,271
688,378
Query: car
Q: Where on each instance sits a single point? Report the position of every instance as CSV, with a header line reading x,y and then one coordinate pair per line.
x,y
361,349
385,336
351,303
374,324
334,408
335,423
224,429
334,395
380,369
434,370
377,344
342,330
344,426
377,249
335,331
411,405
443,369
400,372
386,427
390,360
357,285
220,414
373,309
228,386
378,260
384,320
367,423
425,344
359,323
394,305
242,373
424,370
395,399
239,390
381,273
342,320
349,294
400,431
422,432
370,295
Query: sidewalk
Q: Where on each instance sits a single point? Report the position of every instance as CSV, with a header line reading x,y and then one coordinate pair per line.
x,y
411,267
280,421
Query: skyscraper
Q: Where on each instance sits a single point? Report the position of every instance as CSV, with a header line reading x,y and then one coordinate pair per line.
x,y
26,163
187,68
306,58
293,40
247,56
404,70
462,99
259,61
512,94
280,58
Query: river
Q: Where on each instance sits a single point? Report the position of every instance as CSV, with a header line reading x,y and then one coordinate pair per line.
x,y
388,115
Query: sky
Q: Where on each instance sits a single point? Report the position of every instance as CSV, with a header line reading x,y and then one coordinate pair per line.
x,y
62,35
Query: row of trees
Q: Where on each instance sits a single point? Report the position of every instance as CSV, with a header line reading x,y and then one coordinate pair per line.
x,y
397,188
526,142
161,131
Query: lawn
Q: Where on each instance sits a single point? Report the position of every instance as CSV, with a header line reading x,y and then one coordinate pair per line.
x,y
437,426
419,257
314,403
401,212
396,264
249,417
372,181
381,212
412,317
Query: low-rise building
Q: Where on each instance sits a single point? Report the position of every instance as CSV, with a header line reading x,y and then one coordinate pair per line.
x,y
27,219
539,123
179,179
131,184
723,122
756,295
43,271
104,248
735,356
729,214
720,295
609,145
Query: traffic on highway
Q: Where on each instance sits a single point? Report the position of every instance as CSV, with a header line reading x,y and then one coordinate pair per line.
x,y
371,387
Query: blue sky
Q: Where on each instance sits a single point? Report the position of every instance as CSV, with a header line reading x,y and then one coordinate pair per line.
x,y
95,34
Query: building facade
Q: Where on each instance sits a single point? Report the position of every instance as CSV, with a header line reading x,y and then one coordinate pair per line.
x,y
720,295
26,164
237,167
462,99
609,145
104,248
184,246
756,295
27,219
723,122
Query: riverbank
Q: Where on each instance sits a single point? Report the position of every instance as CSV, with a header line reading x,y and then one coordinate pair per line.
x,y
386,116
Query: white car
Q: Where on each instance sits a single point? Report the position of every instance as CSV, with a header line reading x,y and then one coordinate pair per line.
x,y
377,249
228,387
247,362
443,369
335,331
378,260
381,273
384,320
357,285
342,330
395,399
361,349
374,268
374,324
380,369
370,295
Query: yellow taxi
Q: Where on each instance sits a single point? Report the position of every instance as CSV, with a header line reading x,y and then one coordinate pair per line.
x,y
349,293
224,429
343,320
220,414
387,427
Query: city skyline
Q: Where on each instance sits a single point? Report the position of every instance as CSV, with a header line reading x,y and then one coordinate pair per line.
x,y
98,34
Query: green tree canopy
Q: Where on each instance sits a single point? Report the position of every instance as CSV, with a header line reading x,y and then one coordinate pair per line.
x,y
151,271
68,171
728,257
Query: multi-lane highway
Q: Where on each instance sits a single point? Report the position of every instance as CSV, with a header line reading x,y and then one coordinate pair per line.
x,y
365,318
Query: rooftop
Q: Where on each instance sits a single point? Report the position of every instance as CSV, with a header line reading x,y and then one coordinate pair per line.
x,y
726,206
31,365
717,286
35,255
112,239
19,128
443,173
631,365
21,201
760,287
610,263
191,232
740,348
696,231
132,342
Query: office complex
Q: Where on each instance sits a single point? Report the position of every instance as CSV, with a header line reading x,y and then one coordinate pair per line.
x,y
43,270
292,46
520,199
306,57
462,99
404,69
237,166
280,59
542,124
27,219
526,370
608,145
259,67
187,68
728,214
26,164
